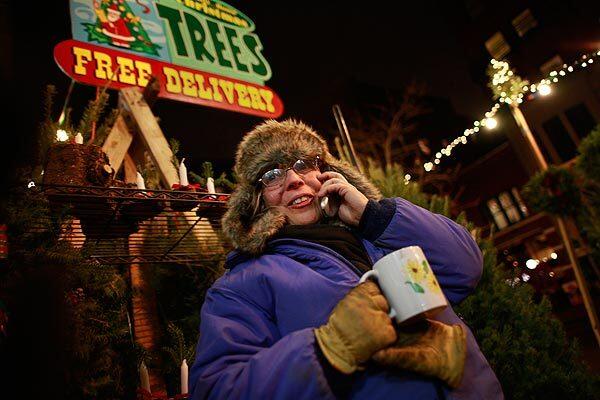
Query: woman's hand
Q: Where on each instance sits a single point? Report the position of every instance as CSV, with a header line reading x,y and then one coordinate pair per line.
x,y
352,201
357,328
430,348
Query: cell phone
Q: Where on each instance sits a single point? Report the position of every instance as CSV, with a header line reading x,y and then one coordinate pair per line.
x,y
329,204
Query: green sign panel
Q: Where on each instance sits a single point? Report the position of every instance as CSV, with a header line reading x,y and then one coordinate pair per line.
x,y
201,51
213,36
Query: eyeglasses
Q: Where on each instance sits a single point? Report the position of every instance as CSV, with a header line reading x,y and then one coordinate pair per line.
x,y
276,176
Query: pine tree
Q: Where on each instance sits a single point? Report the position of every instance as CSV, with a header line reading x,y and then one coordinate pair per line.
x,y
525,345
90,302
68,317
588,166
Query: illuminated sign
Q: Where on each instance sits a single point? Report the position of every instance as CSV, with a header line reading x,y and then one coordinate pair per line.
x,y
203,52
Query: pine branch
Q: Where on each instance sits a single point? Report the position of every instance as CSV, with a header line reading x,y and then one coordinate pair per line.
x,y
92,114
174,144
222,180
47,129
207,170
104,129
195,178
179,349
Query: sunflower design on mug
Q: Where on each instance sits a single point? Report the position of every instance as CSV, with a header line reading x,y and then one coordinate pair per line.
x,y
422,277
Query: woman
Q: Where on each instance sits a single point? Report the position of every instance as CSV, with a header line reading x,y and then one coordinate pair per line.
x,y
287,319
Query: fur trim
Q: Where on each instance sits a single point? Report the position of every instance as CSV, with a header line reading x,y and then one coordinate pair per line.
x,y
269,144
273,143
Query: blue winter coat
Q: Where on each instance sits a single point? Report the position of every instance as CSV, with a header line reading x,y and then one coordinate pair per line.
x,y
256,332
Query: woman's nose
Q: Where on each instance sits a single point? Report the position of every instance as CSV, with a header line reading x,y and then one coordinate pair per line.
x,y
293,180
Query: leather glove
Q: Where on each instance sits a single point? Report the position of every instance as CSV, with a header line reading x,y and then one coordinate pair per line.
x,y
357,327
430,348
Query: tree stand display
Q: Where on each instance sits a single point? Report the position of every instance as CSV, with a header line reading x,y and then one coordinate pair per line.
x,y
151,225
101,217
184,204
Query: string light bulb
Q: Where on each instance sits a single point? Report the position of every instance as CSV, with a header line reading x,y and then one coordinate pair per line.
x,y
509,88
491,123
544,89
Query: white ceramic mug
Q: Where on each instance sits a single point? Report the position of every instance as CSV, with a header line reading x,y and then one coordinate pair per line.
x,y
408,284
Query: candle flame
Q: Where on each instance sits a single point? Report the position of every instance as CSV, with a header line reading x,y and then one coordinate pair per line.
x,y
62,135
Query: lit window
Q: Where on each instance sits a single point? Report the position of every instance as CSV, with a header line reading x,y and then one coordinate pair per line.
x,y
497,46
524,22
497,214
509,207
520,202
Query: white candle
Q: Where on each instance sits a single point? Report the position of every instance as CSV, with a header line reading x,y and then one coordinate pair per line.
x,y
210,185
145,379
184,377
139,180
183,179
78,138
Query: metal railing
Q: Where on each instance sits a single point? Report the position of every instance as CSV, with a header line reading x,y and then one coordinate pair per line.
x,y
118,225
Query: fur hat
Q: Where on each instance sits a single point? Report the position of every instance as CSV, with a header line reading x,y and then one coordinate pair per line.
x,y
267,145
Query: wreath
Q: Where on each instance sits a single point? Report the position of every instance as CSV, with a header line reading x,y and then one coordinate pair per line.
x,y
554,191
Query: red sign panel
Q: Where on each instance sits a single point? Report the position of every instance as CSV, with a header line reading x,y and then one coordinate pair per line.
x,y
98,66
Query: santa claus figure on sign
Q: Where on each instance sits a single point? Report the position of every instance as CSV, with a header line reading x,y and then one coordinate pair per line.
x,y
115,27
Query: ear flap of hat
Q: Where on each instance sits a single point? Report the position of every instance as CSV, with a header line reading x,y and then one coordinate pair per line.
x,y
247,232
355,178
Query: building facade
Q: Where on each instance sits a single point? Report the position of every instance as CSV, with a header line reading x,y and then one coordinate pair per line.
x,y
536,38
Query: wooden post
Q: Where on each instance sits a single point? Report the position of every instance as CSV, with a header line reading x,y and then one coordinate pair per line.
x,y
117,143
524,129
151,135
129,169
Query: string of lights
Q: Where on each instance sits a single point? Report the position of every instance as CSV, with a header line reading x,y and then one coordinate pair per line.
x,y
509,88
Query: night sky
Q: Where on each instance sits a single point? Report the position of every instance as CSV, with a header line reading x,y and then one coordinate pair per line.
x,y
314,49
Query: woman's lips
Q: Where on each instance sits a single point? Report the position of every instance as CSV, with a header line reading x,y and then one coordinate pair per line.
x,y
302,204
